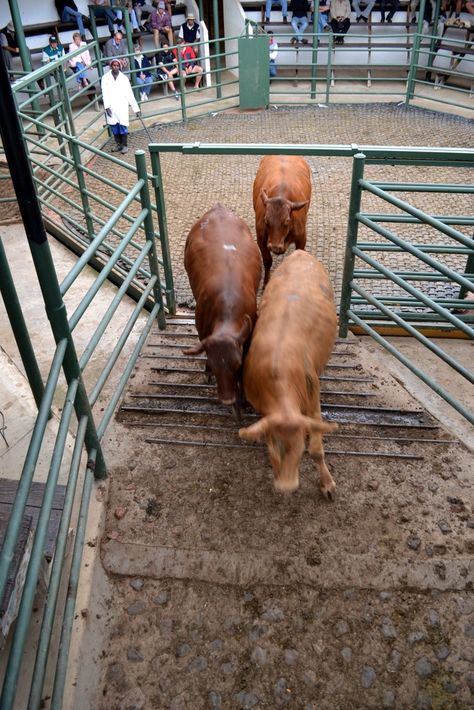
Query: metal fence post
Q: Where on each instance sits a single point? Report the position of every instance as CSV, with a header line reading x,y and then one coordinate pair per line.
x,y
22,179
20,331
217,48
165,247
150,234
351,240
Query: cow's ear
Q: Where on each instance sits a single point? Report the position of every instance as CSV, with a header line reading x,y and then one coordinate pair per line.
x,y
245,330
197,350
256,431
264,196
298,205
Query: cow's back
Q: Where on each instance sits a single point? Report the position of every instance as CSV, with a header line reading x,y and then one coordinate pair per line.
x,y
282,175
223,265
296,326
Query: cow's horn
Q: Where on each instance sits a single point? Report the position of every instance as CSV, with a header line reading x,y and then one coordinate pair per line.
x,y
298,205
264,196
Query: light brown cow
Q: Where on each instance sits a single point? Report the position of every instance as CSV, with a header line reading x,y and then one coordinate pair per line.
x,y
281,197
291,343
223,265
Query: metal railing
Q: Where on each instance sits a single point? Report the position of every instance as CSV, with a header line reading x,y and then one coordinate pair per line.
x,y
440,255
83,389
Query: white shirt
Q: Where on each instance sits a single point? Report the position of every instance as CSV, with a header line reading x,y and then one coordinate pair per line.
x,y
117,95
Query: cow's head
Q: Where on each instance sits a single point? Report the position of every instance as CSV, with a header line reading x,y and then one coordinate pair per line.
x,y
278,216
285,438
224,357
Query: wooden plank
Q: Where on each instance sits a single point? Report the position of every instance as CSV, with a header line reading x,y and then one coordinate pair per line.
x,y
25,527
53,527
9,487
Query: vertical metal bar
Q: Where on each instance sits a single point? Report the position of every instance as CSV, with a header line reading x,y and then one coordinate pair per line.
x,y
20,331
351,240
201,11
415,54
15,152
329,68
433,40
25,55
469,270
39,672
29,590
76,156
128,32
314,52
150,234
68,617
182,85
217,48
165,247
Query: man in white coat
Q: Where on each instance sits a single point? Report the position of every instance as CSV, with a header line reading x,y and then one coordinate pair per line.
x,y
117,96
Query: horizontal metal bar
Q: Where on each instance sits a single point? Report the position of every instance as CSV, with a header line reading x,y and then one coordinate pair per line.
x,y
249,447
415,212
91,249
428,248
424,187
102,277
109,410
445,314
416,370
388,154
106,318
18,510
467,374
112,359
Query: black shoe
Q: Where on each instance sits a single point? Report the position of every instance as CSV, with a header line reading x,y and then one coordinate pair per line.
x,y
389,20
305,41
382,19
267,19
358,19
364,18
294,40
285,20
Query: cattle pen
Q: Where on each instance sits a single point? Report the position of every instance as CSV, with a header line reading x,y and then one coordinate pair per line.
x,y
210,589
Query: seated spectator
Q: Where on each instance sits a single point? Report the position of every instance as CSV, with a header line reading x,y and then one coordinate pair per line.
x,y
117,47
160,22
299,20
68,12
340,14
273,51
9,45
143,76
52,51
323,16
102,8
190,31
140,7
284,9
133,18
394,5
363,15
167,67
80,63
189,63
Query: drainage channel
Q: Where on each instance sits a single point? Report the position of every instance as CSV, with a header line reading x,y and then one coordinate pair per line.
x,y
171,395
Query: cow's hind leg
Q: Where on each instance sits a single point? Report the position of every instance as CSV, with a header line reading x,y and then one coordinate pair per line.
x,y
267,262
316,449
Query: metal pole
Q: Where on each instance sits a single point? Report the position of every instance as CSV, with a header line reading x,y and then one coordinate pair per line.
x,y
165,247
217,47
351,241
150,234
22,179
20,331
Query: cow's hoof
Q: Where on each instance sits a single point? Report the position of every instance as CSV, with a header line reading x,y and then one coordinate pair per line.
x,y
236,413
329,492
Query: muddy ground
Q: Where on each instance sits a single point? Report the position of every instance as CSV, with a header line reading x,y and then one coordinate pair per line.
x,y
230,595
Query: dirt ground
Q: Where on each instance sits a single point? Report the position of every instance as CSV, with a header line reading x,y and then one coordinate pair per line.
x,y
229,595
226,594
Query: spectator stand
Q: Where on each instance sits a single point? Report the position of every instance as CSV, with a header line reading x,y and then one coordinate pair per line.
x,y
454,53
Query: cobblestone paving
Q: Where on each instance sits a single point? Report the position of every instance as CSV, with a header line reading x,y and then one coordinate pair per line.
x,y
194,183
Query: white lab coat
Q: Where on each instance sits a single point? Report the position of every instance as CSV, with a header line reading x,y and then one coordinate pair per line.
x,y
117,95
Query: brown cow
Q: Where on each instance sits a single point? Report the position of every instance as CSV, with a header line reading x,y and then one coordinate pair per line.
x,y
291,343
281,197
223,265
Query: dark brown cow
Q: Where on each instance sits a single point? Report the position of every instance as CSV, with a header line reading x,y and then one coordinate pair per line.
x,y
281,197
223,265
291,343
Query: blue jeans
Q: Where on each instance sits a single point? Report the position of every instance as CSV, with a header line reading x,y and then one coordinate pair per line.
x,y
109,15
299,25
80,70
323,21
145,84
283,3
69,15
273,69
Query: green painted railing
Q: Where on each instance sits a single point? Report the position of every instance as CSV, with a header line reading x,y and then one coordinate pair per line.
x,y
369,265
